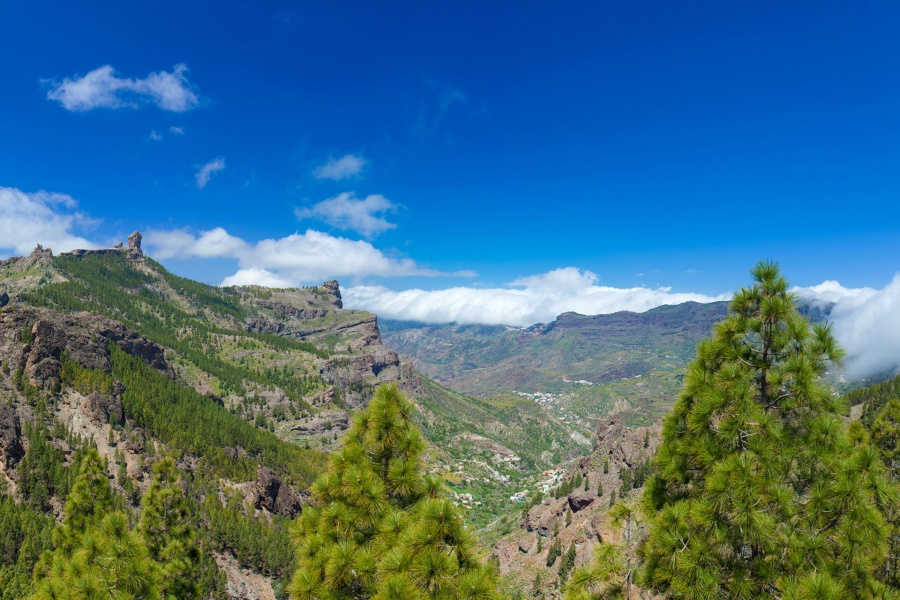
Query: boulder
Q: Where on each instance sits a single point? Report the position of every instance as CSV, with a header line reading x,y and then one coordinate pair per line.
x,y
526,544
580,500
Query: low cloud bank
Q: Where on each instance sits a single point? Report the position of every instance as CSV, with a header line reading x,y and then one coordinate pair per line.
x,y
527,300
866,323
866,320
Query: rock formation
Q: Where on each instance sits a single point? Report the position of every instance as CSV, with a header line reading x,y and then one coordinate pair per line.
x,y
333,288
134,246
579,517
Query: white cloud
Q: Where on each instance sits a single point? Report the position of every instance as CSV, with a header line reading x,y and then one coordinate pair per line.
x,y
866,323
176,130
156,137
527,300
346,212
179,243
309,257
337,169
28,219
102,88
254,276
207,170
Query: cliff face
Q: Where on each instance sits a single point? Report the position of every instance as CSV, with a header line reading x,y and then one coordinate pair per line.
x,y
618,449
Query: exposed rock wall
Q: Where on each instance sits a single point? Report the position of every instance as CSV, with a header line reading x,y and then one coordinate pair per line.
x,y
623,447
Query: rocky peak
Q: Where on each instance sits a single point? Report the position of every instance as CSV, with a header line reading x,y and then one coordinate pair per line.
x,y
334,288
134,245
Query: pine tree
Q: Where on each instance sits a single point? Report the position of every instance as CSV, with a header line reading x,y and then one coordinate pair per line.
x,y
757,490
380,527
165,529
95,553
603,578
885,434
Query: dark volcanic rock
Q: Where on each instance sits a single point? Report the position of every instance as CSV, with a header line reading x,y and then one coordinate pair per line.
x,y
275,496
10,435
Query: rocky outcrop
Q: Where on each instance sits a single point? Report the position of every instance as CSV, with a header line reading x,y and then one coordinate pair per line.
x,y
134,246
4,299
105,410
10,436
320,424
34,340
579,517
275,496
39,257
334,288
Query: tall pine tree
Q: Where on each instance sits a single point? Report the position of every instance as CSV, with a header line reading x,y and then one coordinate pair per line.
x,y
165,528
95,553
757,491
380,528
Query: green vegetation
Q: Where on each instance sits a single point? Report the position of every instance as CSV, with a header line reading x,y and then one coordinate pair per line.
x,y
379,527
97,555
111,285
179,416
757,490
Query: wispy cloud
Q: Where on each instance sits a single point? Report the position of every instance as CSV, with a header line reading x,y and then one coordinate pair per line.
x,y
290,261
345,167
176,130
441,98
525,301
103,88
155,136
346,212
206,171
28,219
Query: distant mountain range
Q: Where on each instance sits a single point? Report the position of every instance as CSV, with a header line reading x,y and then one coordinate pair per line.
x,y
625,362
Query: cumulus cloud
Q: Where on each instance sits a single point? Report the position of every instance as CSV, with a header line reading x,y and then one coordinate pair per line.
x,y
866,322
346,212
337,169
180,243
525,301
103,88
206,171
284,262
28,219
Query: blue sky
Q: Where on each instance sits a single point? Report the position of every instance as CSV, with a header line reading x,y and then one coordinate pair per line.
x,y
587,148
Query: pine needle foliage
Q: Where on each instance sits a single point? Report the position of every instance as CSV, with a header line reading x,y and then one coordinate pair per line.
x,y
95,553
380,527
757,489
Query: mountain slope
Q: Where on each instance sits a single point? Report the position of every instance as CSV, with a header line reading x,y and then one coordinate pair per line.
x,y
244,386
